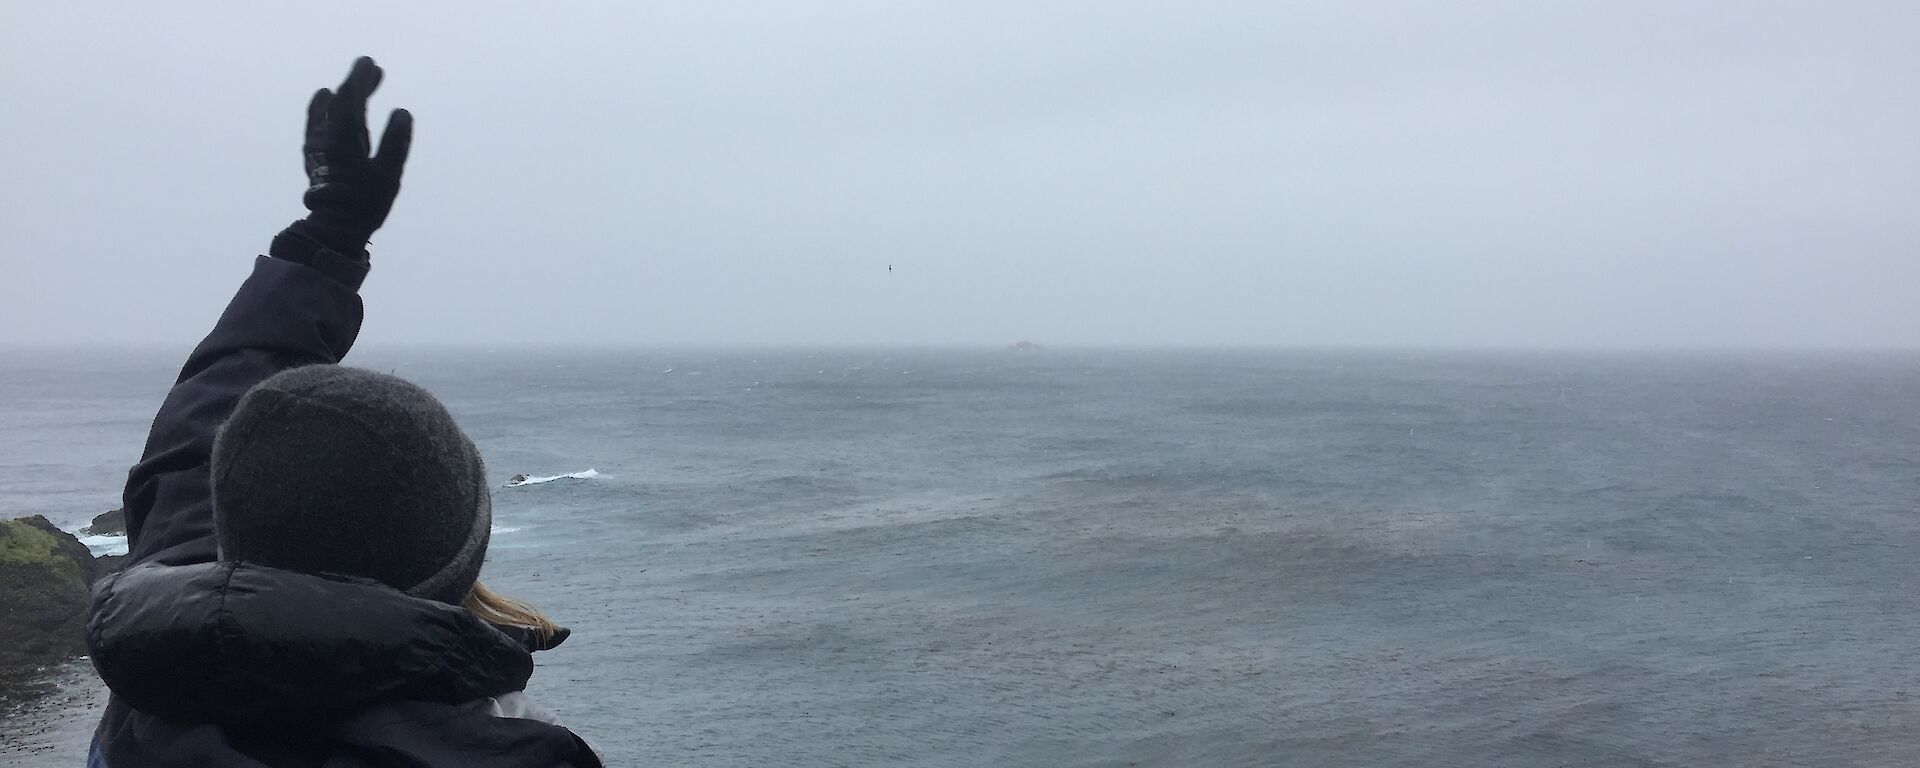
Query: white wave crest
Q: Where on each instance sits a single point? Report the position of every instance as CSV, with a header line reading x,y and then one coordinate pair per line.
x,y
101,546
105,545
526,480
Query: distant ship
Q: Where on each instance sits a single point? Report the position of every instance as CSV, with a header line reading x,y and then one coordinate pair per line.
x,y
1024,346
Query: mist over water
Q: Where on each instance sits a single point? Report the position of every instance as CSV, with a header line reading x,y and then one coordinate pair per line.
x,y
949,558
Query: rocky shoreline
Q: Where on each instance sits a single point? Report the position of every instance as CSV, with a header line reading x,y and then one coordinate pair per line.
x,y
46,576
50,719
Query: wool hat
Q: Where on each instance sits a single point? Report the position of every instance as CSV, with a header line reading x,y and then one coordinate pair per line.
x,y
326,468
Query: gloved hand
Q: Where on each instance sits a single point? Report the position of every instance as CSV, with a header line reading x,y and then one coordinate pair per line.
x,y
351,193
348,193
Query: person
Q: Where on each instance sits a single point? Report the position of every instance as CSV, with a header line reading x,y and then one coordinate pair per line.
x,y
306,538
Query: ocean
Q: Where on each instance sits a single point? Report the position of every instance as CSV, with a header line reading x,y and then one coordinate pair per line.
x,y
1153,558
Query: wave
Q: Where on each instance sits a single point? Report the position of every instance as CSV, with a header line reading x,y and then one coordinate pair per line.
x,y
526,480
104,545
100,546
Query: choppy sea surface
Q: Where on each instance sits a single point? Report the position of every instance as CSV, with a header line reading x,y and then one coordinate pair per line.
x,y
1153,558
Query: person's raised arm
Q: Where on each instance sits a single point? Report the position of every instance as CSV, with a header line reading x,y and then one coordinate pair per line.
x,y
299,307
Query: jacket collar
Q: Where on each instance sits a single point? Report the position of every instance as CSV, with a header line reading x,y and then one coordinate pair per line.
x,y
232,642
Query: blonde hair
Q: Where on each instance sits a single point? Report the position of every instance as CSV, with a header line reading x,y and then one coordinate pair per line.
x,y
495,608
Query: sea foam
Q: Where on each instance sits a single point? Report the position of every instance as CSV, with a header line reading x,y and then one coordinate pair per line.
x,y
105,545
524,480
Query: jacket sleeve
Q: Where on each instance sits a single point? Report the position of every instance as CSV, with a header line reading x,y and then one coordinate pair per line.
x,y
286,315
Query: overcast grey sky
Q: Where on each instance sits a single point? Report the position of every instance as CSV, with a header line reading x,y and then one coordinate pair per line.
x,y
1274,173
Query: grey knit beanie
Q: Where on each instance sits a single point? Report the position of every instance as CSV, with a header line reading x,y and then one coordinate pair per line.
x,y
342,470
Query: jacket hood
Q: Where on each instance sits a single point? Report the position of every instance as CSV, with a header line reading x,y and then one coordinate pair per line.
x,y
236,643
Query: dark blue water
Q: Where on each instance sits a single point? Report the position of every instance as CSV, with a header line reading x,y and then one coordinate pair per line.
x,y
1166,558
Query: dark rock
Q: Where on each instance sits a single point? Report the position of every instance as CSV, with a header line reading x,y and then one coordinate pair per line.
x,y
107,564
112,522
45,578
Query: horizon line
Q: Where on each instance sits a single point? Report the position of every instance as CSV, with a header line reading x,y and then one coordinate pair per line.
x,y
1038,347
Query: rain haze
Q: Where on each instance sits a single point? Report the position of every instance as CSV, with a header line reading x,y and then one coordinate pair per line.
x,y
1298,174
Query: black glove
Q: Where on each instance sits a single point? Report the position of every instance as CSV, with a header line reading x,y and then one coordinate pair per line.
x,y
349,193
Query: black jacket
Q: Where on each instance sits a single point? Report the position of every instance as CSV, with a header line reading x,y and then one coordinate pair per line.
x,y
230,664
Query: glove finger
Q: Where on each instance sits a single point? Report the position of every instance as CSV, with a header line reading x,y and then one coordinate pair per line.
x,y
348,111
317,109
395,143
361,79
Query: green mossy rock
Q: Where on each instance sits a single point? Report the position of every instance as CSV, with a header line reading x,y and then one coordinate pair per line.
x,y
45,575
